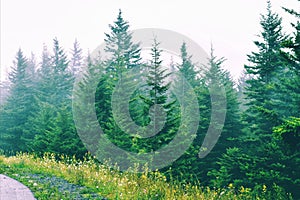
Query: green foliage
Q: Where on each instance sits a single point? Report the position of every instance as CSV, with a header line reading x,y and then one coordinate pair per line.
x,y
125,54
19,107
76,59
98,182
266,66
272,99
289,132
187,68
158,110
140,111
57,134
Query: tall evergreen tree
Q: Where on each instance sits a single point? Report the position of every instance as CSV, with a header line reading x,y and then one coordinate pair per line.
x,y
44,73
19,105
264,159
186,67
53,117
264,70
124,53
287,133
62,77
292,84
184,77
217,98
160,111
76,59
83,105
55,79
157,87
55,132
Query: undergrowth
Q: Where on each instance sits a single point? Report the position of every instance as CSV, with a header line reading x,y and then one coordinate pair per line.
x,y
50,177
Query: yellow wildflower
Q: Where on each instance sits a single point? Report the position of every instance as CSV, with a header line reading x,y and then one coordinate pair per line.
x,y
242,189
144,177
264,188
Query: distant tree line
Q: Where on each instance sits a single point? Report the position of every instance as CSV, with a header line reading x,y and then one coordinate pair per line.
x,y
260,142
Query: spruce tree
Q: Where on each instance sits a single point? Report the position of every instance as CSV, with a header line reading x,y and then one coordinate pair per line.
x,y
19,106
265,68
54,115
124,53
185,80
287,133
76,59
124,56
84,104
219,116
186,67
55,78
62,77
160,111
265,158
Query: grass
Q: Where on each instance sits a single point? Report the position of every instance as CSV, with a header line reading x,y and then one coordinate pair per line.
x,y
69,178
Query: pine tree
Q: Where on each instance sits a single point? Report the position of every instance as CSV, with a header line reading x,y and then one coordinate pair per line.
x,y
264,72
44,73
287,133
220,124
186,67
19,106
62,77
292,84
160,111
45,65
53,118
185,83
39,122
76,59
265,159
125,56
84,105
266,66
124,53
55,79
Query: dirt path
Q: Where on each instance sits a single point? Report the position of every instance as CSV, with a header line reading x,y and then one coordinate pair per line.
x,y
11,189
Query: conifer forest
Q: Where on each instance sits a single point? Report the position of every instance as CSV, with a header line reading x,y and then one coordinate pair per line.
x,y
259,141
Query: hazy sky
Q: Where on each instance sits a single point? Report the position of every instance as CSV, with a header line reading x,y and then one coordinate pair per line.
x,y
230,25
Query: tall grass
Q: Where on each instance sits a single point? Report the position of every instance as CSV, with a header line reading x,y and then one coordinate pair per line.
x,y
113,184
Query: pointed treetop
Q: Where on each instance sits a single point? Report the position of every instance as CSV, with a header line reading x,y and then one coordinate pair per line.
x,y
17,76
120,25
187,68
60,60
213,59
155,52
267,61
183,51
124,53
76,60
